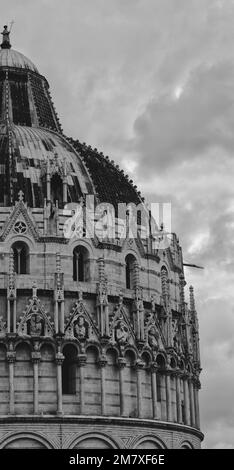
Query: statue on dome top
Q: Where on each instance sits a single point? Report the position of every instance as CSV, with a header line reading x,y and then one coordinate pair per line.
x,y
5,38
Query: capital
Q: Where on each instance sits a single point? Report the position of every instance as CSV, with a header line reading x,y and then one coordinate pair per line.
x,y
59,359
139,364
121,362
154,367
168,371
81,360
36,357
102,361
185,375
11,356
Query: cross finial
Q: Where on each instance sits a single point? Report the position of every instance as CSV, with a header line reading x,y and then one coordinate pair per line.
x,y
5,38
21,195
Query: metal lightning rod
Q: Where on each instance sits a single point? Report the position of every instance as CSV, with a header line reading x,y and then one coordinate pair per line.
x,y
193,266
11,24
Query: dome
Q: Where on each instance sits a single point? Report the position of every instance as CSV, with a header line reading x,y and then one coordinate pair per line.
x,y
88,171
34,127
12,58
32,151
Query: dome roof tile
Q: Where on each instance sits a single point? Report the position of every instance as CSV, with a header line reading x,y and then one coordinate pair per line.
x,y
12,58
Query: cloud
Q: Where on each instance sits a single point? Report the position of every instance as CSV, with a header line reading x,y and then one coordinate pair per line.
x,y
172,131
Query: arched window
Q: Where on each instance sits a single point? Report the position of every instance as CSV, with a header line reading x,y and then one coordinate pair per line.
x,y
186,445
69,370
130,271
80,264
146,380
57,190
173,363
21,257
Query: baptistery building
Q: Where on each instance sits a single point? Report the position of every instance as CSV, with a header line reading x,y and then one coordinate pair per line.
x,y
99,341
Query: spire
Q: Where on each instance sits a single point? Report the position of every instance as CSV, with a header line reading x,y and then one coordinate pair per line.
x,y
11,269
192,301
182,283
5,38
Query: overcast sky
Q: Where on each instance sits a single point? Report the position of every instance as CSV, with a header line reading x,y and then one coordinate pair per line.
x,y
151,83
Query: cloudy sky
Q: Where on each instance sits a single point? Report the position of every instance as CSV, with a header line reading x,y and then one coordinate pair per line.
x,y
151,83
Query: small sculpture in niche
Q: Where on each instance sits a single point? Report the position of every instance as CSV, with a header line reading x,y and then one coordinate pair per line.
x,y
176,336
35,325
80,328
153,338
121,333
52,218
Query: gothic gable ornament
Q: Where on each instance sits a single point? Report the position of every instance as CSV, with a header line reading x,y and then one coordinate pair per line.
x,y
19,221
139,314
121,330
154,338
35,322
121,333
176,336
79,324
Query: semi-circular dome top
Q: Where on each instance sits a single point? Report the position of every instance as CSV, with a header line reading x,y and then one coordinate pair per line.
x,y
12,58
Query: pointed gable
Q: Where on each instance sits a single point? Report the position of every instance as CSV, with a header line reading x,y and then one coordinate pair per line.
x,y
19,222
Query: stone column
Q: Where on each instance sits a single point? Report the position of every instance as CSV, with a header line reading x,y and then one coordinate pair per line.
x,y
11,315
14,316
139,366
56,317
186,399
121,364
191,402
36,357
82,358
102,364
61,326
59,361
196,403
48,184
65,190
168,395
154,379
178,398
11,357
8,316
